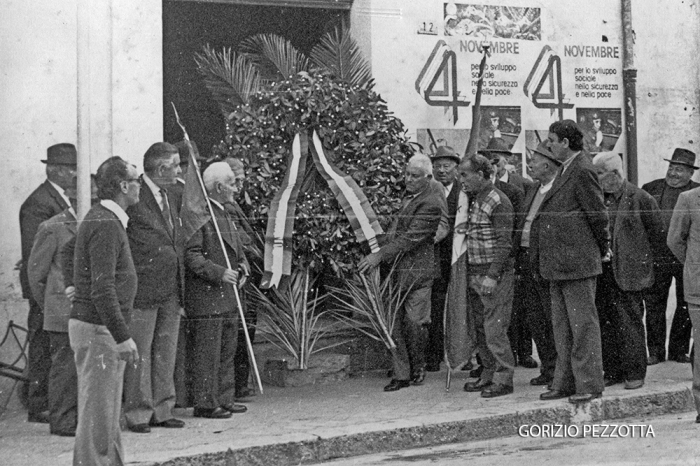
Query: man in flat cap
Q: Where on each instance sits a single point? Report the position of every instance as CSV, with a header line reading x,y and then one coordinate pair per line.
x,y
48,200
667,267
445,163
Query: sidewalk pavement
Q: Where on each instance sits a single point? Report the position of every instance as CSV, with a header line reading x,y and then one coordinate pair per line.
x,y
310,424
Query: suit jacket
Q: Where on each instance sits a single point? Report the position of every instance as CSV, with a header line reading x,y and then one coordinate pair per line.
x,y
443,249
519,181
157,251
684,241
205,293
411,240
44,270
45,202
519,224
573,224
638,236
512,192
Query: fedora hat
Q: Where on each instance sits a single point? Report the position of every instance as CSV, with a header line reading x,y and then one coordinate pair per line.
x,y
543,149
445,152
683,157
61,154
496,146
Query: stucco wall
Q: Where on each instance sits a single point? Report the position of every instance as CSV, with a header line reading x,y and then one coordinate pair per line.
x,y
38,96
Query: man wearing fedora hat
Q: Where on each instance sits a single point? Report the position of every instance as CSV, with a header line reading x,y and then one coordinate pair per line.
x,y
513,186
666,192
48,200
445,163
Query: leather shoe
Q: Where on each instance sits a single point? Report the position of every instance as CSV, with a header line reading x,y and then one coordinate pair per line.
x,y
478,386
171,423
64,433
397,385
140,428
418,377
476,373
541,380
634,384
41,417
527,362
233,408
496,389
609,382
653,360
554,395
584,397
212,413
683,358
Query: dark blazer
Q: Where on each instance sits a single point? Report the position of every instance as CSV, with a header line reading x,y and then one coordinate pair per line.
x,y
205,293
512,192
638,237
573,230
412,240
521,214
158,252
519,181
443,249
45,202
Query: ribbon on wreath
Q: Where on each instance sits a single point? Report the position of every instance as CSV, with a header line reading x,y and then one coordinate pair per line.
x,y
280,223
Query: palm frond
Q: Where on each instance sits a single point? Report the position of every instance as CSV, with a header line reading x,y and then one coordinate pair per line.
x,y
229,76
274,56
338,52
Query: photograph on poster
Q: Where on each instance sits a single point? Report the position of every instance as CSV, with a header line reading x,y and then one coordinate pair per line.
x,y
499,122
493,21
601,128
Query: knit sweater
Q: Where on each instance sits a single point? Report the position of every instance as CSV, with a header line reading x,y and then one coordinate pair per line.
x,y
104,275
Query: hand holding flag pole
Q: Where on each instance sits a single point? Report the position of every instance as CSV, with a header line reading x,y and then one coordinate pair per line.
x,y
196,220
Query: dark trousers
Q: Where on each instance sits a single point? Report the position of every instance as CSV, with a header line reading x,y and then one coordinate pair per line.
x,y
491,321
621,328
215,339
38,360
535,303
519,331
576,336
435,349
63,385
241,361
656,299
410,333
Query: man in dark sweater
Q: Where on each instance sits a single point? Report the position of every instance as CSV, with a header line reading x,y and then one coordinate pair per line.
x,y
105,287
666,191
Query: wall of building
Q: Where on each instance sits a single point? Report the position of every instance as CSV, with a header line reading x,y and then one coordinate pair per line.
x,y
38,93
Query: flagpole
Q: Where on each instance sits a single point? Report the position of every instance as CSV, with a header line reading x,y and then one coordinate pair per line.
x,y
223,248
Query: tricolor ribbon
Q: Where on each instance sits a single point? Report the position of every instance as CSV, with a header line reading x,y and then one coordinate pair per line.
x,y
280,223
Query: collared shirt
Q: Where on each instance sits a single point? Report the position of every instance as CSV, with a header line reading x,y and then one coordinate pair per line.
x,y
447,188
216,203
118,211
60,191
568,161
505,177
532,213
155,190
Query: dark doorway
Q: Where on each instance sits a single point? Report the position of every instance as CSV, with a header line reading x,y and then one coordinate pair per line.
x,y
188,26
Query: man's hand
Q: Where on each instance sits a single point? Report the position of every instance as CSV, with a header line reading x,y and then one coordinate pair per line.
x,y
230,276
488,286
70,293
608,256
368,263
128,352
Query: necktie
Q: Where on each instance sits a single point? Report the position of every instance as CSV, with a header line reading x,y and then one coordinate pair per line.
x,y
165,205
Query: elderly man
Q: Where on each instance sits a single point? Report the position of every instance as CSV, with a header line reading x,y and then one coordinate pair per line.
x,y
684,241
534,301
445,163
45,202
105,288
47,285
210,299
573,241
149,390
637,235
411,241
488,237
667,267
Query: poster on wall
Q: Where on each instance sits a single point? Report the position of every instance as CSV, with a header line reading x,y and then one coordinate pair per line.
x,y
537,73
